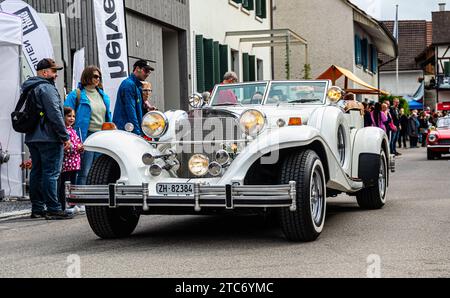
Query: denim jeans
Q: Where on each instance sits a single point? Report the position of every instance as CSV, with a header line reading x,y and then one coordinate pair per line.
x,y
87,160
47,163
394,140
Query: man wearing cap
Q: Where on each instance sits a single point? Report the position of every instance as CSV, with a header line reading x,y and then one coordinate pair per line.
x,y
47,142
129,98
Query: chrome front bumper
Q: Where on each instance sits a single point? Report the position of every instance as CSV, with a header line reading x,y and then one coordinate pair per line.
x,y
228,196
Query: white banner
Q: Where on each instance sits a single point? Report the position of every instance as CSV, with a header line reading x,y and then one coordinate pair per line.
x,y
36,39
79,62
112,44
10,42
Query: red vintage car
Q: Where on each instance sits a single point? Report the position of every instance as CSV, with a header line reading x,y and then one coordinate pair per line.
x,y
438,140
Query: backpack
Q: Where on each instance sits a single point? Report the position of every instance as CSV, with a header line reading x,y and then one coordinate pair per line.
x,y
27,115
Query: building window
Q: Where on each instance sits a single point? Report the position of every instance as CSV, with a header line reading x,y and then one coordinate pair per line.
x,y
245,67
235,61
261,9
248,4
374,59
260,69
365,53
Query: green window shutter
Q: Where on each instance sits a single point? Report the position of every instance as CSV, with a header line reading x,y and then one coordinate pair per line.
x,y
358,57
447,69
216,61
200,61
374,62
248,4
237,1
209,64
261,9
252,68
223,60
246,67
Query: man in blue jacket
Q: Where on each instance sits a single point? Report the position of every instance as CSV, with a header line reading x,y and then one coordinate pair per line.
x,y
129,98
47,142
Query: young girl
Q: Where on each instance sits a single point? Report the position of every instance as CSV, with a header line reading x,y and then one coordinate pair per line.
x,y
72,157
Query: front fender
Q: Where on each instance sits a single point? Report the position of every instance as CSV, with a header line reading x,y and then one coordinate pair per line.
x,y
127,150
270,141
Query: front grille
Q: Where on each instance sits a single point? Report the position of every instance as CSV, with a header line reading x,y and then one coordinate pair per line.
x,y
206,136
208,129
444,142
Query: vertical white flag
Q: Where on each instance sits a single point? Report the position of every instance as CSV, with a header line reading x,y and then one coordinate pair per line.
x,y
79,62
112,44
37,44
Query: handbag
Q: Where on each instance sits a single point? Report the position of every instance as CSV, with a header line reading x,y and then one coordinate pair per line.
x,y
393,127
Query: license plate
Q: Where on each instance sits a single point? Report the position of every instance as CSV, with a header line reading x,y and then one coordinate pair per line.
x,y
175,189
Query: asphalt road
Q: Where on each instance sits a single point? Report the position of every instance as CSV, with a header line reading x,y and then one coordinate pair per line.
x,y
411,237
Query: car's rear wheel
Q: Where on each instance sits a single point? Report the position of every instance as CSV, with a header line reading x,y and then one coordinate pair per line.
x,y
109,223
307,222
373,198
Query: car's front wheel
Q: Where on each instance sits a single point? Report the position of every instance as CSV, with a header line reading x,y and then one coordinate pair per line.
x,y
109,223
372,198
432,155
307,222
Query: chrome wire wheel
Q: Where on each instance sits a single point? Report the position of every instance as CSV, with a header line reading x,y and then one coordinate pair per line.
x,y
382,183
317,197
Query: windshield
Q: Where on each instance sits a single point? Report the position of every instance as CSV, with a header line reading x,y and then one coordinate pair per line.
x,y
239,95
444,123
297,92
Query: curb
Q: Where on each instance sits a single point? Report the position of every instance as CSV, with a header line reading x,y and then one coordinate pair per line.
x,y
14,215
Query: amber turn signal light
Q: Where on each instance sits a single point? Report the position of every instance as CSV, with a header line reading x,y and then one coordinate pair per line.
x,y
295,121
109,126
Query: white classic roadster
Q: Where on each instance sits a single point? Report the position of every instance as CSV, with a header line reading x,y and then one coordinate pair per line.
x,y
281,147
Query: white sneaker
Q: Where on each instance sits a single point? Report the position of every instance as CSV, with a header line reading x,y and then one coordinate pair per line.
x,y
81,209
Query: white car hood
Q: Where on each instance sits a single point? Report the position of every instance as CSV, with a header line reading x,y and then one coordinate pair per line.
x,y
275,113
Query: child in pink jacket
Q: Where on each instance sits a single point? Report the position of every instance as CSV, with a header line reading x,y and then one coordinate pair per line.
x,y
72,157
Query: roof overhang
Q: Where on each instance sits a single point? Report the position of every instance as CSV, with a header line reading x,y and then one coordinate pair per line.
x,y
268,38
381,36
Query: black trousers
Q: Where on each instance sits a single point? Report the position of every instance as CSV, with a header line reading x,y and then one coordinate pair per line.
x,y
402,139
65,177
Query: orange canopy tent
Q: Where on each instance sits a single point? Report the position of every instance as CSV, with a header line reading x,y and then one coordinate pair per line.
x,y
334,73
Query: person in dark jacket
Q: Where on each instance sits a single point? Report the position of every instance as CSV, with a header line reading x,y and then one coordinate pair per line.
x,y
404,122
46,143
129,98
395,135
413,129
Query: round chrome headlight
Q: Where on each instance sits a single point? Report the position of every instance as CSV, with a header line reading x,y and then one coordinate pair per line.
x,y
198,165
335,94
155,124
129,127
222,157
215,169
252,122
432,138
196,101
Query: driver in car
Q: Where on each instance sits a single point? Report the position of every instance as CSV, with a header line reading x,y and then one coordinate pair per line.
x,y
227,97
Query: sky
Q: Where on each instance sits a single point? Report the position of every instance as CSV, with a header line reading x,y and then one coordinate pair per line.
x,y
408,9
